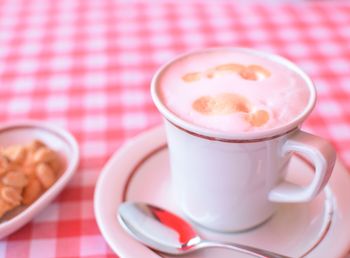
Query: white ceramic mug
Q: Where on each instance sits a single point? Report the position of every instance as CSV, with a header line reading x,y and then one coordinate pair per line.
x,y
228,182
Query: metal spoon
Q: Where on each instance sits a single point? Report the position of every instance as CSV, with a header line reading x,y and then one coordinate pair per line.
x,y
166,232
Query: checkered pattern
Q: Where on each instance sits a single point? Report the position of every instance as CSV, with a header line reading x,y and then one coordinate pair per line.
x,y
87,65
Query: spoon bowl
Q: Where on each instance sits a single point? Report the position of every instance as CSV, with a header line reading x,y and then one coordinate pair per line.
x,y
164,231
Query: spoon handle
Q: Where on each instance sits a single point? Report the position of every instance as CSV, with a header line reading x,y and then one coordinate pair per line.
x,y
257,252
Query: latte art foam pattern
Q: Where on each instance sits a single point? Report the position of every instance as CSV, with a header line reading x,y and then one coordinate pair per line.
x,y
233,91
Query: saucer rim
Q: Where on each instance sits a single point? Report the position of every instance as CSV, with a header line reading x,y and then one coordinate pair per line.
x,y
158,135
328,204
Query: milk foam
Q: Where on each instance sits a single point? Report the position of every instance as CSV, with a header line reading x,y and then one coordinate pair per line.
x,y
196,90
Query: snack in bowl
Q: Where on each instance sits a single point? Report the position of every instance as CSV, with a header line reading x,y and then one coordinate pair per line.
x,y
26,172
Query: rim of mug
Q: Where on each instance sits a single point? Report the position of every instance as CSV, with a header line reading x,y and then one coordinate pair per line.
x,y
233,136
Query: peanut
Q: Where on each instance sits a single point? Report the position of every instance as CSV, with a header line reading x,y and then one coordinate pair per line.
x,y
4,164
15,179
45,175
43,155
29,169
55,164
35,145
32,191
15,153
11,195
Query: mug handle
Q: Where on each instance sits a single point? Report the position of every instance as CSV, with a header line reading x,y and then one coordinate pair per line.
x,y
317,150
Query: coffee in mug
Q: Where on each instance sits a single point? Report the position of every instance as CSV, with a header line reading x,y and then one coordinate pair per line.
x,y
233,91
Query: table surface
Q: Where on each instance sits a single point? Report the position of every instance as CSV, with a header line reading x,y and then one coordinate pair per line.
x,y
87,65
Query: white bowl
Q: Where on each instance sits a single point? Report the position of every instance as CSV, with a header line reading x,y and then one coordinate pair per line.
x,y
58,139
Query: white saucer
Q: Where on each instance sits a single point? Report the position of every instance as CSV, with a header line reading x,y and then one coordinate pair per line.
x,y
22,132
140,171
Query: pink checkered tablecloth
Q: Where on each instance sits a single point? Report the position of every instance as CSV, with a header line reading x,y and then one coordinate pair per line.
x,y
87,65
